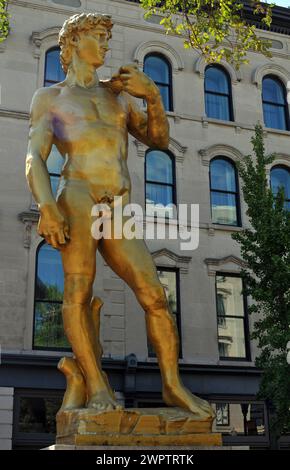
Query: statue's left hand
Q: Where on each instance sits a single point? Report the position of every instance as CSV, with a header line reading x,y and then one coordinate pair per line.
x,y
136,83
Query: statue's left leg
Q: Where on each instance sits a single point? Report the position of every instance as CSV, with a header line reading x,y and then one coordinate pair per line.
x,y
131,260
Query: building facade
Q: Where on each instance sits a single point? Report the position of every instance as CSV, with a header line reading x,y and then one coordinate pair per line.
x,y
212,111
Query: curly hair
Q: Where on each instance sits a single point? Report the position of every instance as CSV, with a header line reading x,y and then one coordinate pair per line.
x,y
76,24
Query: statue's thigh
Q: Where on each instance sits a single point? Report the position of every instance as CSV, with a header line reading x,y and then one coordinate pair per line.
x,y
132,261
79,253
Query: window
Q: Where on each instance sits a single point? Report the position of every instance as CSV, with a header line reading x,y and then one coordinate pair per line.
x,y
48,326
280,178
217,88
240,419
231,318
35,418
224,193
53,74
158,69
169,279
274,103
53,70
160,183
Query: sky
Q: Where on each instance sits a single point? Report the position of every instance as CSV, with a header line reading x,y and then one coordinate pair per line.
x,y
281,3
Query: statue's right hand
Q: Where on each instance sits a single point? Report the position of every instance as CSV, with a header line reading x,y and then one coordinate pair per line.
x,y
52,226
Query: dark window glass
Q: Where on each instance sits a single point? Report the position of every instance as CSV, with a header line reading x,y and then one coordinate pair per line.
x,y
37,414
169,281
159,70
217,88
231,317
53,74
275,107
240,419
280,178
224,192
48,326
53,70
159,186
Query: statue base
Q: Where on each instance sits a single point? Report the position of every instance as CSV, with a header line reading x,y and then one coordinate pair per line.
x,y
152,427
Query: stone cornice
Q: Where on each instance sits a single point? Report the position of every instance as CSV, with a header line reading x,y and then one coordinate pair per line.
x,y
13,113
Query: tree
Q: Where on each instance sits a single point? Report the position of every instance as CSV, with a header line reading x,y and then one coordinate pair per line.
x,y
266,249
4,20
216,28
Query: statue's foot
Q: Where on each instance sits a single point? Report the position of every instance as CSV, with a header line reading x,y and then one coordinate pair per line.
x,y
178,395
103,401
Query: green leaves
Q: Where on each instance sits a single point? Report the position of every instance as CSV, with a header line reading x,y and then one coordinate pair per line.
x,y
215,28
4,21
266,249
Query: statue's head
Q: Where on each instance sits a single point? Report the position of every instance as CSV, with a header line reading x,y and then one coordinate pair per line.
x,y
88,35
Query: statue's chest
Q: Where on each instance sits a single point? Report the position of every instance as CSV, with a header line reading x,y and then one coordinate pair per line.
x,y
102,107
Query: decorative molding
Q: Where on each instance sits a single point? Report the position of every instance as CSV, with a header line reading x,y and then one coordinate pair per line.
x,y
201,64
174,147
218,264
163,48
273,69
12,113
181,262
47,35
219,150
28,218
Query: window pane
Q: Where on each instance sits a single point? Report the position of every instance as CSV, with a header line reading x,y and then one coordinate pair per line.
x,y
273,91
223,208
164,91
242,419
53,70
157,69
162,195
222,175
159,167
229,290
280,177
49,277
168,281
217,106
54,181
48,328
37,414
274,116
216,80
55,161
231,337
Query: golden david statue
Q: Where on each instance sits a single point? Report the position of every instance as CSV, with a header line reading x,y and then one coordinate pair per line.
x,y
88,120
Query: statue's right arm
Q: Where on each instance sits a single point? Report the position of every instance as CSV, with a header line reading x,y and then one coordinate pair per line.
x,y
51,224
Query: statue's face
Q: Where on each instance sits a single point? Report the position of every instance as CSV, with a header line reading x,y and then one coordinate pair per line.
x,y
93,45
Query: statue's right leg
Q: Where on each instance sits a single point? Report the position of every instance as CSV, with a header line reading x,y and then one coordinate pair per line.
x,y
79,264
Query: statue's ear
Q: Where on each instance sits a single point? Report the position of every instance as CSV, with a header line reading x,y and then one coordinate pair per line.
x,y
74,40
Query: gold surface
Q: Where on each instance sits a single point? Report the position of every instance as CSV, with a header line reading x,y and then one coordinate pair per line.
x,y
134,426
88,120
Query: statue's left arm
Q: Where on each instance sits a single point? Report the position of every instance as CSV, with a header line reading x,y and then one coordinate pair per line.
x,y
151,128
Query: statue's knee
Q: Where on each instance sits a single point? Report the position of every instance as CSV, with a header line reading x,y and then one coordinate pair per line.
x,y
78,288
155,299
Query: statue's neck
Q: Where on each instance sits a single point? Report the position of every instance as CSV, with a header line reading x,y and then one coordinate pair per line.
x,y
81,74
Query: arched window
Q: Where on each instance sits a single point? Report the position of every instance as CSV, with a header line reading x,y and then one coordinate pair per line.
x,y
160,183
275,107
158,69
224,192
280,178
217,90
49,284
53,72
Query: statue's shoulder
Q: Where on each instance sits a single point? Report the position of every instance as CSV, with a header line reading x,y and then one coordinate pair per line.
x,y
43,97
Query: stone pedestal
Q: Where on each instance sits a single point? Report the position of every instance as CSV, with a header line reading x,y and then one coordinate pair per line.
x,y
153,427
